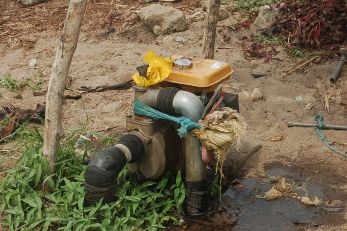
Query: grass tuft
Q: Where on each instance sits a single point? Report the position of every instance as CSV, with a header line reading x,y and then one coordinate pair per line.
x,y
34,82
26,206
253,5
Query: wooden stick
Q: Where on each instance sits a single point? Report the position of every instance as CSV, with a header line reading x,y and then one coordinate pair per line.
x,y
226,48
301,65
65,51
210,29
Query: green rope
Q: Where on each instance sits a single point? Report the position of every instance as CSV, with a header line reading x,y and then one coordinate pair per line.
x,y
186,124
321,125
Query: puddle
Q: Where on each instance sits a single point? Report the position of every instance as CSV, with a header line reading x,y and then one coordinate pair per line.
x,y
284,214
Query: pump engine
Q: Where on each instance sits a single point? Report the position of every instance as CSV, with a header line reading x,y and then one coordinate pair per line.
x,y
152,147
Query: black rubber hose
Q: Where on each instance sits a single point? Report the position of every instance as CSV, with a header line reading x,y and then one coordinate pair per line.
x,y
103,169
165,100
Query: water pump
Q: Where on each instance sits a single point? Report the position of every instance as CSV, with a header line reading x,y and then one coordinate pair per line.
x,y
152,147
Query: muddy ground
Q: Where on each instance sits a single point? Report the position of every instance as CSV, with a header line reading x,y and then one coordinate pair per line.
x,y
107,56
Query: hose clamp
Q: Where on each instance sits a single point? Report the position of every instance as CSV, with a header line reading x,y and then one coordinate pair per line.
x,y
125,150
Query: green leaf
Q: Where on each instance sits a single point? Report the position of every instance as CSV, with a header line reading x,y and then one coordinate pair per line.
x,y
178,179
30,201
163,183
38,175
92,226
35,224
95,208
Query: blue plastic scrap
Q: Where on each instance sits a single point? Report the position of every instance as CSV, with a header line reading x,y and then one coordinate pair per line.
x,y
186,124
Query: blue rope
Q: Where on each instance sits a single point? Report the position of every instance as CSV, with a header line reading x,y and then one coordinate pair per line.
x,y
186,123
321,125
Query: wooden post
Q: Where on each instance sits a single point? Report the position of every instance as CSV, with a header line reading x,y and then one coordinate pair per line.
x,y
211,29
56,85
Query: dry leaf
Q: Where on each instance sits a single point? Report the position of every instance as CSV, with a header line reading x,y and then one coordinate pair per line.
x,y
282,188
277,191
308,201
277,138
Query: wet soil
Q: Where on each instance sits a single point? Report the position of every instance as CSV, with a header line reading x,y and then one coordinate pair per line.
x,y
255,213
243,207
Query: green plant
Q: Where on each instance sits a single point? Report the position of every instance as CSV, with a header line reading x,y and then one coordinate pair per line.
x,y
253,5
296,52
27,206
9,83
268,40
225,2
34,82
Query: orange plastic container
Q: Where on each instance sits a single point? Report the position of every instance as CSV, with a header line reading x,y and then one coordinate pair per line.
x,y
203,75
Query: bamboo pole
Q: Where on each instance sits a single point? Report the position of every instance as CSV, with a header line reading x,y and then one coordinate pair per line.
x,y
65,51
211,29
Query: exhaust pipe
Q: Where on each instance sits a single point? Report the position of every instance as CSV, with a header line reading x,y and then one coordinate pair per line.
x,y
103,169
174,101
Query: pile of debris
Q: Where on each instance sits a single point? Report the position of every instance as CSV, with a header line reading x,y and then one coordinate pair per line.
x,y
313,23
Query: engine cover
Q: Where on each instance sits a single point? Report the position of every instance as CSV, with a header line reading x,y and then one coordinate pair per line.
x,y
197,75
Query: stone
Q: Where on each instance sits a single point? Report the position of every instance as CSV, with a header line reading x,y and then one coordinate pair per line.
x,y
266,17
168,40
27,3
180,39
223,14
167,18
256,95
157,30
32,62
309,106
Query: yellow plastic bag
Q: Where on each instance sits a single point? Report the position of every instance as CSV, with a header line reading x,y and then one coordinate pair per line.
x,y
159,69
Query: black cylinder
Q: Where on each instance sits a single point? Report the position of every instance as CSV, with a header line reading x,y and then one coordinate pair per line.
x,y
196,203
338,69
165,100
103,169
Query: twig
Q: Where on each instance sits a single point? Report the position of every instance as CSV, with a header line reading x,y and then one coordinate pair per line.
x,y
107,129
121,86
226,48
301,65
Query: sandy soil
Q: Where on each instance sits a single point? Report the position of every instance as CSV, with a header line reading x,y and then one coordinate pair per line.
x,y
109,58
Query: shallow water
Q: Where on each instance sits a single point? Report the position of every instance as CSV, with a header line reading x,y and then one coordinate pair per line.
x,y
284,214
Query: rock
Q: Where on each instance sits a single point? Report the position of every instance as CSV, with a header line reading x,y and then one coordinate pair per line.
x,y
256,95
32,62
167,41
266,17
156,30
27,3
223,14
180,39
167,18
309,106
